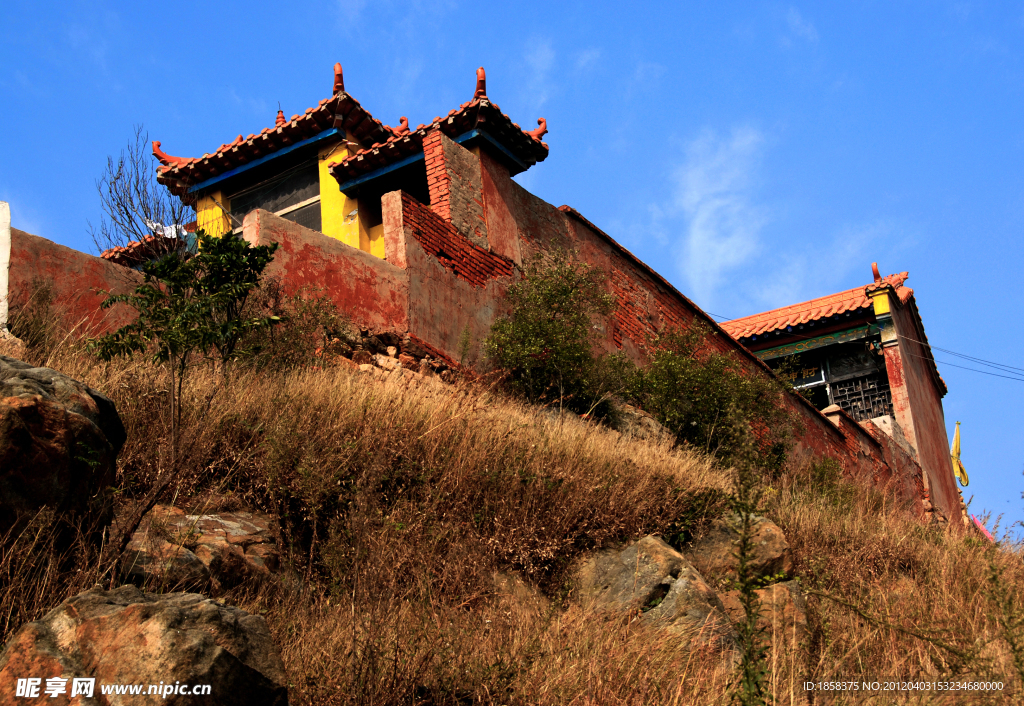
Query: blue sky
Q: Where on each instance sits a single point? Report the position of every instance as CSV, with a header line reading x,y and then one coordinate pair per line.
x,y
755,153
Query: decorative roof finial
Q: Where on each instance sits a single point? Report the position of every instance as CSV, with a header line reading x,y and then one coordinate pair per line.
x,y
481,84
166,159
874,271
402,129
339,80
280,119
539,132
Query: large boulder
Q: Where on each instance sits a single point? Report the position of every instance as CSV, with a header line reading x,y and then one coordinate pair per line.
x,y
634,422
783,612
173,549
127,637
715,552
653,580
59,439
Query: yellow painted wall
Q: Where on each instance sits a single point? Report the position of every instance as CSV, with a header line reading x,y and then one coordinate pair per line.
x,y
376,238
339,217
210,217
880,300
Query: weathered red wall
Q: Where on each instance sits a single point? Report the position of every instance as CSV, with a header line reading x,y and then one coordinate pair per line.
x,y
456,289
648,304
911,374
78,282
373,292
448,268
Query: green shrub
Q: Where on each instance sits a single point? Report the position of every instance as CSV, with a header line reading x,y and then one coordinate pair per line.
x,y
708,401
545,342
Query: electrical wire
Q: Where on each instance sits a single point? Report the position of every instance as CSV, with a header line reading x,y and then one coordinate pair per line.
x,y
998,366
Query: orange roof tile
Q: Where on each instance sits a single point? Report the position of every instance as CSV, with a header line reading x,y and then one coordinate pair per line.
x,y
339,111
343,111
850,300
137,252
479,113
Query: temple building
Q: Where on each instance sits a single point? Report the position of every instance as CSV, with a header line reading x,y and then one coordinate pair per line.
x,y
326,169
864,351
416,236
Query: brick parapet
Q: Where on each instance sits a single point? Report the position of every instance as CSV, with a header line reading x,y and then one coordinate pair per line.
x,y
438,178
439,238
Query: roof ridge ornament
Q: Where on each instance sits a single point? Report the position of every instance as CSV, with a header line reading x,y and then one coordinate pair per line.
x,y
280,122
539,132
402,129
481,84
339,79
166,159
874,271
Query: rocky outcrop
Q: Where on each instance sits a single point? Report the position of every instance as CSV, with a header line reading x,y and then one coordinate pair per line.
x,y
59,439
634,422
129,637
172,549
783,612
653,580
715,552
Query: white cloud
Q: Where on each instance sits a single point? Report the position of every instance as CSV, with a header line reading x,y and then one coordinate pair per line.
x,y
713,193
587,58
350,10
540,59
737,254
801,27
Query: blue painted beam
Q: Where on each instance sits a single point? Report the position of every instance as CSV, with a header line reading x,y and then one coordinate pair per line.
x,y
370,176
331,132
467,136
353,184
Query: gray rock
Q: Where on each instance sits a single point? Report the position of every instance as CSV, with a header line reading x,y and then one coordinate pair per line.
x,y
715,552
19,379
126,636
172,549
634,422
653,580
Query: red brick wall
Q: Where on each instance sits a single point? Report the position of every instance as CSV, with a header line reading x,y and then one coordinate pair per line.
x,y
914,384
455,184
649,304
456,253
438,179
456,289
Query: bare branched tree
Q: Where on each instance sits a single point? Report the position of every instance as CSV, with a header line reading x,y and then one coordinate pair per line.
x,y
136,208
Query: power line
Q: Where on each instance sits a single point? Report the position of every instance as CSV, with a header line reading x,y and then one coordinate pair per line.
x,y
962,355
998,366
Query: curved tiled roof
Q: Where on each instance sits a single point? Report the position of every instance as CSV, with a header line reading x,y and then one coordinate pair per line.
x,y
343,111
340,111
137,252
850,300
479,113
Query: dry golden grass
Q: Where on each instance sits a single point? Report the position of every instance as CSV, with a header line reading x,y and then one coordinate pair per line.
x,y
429,531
